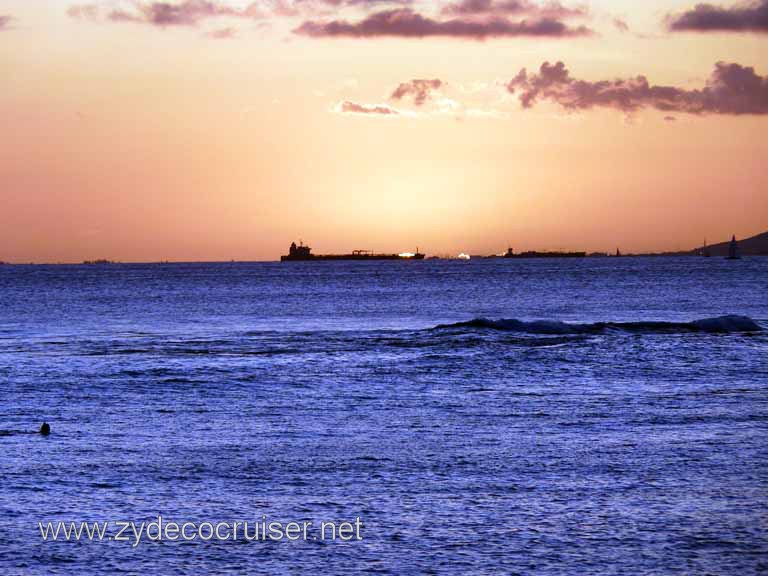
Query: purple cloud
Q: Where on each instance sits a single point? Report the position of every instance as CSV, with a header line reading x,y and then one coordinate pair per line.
x,y
419,90
405,23
165,13
751,17
468,7
508,7
731,89
348,107
5,21
162,14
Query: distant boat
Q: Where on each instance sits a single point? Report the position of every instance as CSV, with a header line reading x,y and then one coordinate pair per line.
x,y
733,250
303,253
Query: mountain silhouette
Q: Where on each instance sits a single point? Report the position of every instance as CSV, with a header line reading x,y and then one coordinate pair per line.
x,y
754,246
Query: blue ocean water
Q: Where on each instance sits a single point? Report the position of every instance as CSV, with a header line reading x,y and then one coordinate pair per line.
x,y
552,417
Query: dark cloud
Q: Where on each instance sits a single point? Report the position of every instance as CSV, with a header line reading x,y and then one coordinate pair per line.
x,y
354,108
731,89
186,13
751,17
163,13
406,23
511,7
419,90
466,7
5,21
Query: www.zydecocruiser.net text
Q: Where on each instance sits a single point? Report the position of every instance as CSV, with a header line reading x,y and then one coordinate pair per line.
x,y
160,530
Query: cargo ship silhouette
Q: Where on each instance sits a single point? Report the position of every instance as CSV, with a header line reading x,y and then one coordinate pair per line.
x,y
304,253
533,254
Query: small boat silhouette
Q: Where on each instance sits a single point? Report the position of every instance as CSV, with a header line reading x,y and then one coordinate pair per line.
x,y
733,250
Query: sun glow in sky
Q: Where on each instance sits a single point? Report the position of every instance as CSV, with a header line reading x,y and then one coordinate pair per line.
x,y
222,129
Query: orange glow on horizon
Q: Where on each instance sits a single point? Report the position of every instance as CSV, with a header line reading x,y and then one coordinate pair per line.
x,y
135,143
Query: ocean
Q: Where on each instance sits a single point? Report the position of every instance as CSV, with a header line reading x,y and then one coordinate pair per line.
x,y
554,417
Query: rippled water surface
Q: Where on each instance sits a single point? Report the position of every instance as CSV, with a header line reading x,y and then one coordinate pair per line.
x,y
485,417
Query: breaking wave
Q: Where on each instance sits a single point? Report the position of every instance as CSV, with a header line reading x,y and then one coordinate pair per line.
x,y
719,325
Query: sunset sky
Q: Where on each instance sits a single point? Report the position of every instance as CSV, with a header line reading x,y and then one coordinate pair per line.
x,y
222,129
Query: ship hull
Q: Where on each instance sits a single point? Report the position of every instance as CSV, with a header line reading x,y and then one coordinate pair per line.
x,y
353,257
546,255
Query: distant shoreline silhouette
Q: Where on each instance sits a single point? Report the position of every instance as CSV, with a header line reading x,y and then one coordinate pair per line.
x,y
753,246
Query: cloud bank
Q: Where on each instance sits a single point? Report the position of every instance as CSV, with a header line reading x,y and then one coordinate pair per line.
x,y
406,23
469,19
731,89
511,7
163,14
751,17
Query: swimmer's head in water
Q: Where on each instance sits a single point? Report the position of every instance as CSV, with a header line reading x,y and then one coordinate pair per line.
x,y
45,429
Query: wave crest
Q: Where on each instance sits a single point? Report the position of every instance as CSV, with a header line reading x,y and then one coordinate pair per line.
x,y
719,325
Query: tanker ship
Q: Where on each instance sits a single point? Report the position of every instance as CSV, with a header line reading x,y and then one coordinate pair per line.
x,y
303,253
